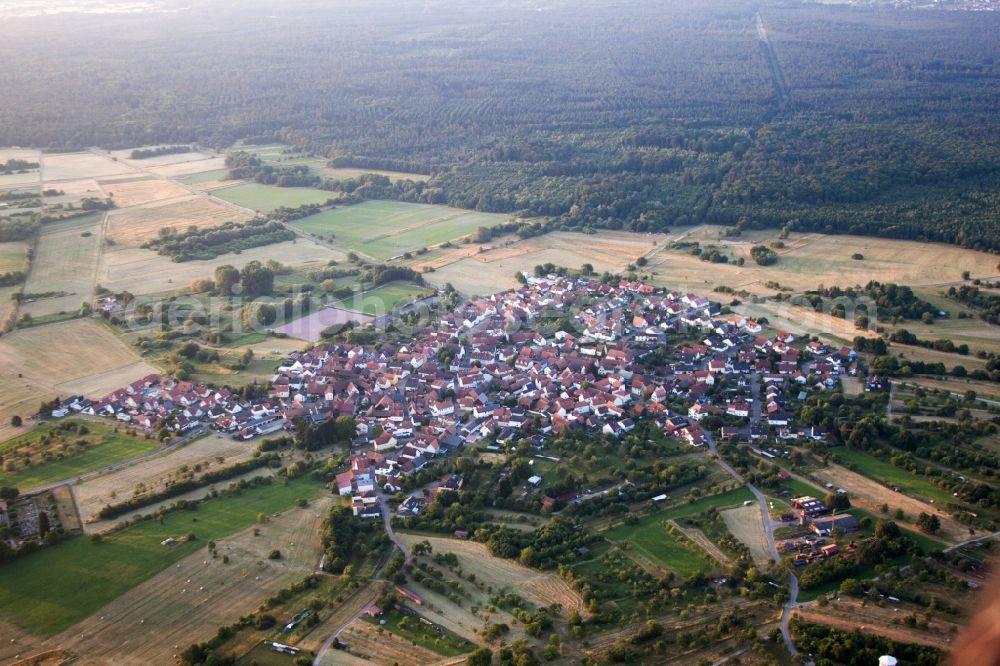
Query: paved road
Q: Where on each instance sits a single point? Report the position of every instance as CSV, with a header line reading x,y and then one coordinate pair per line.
x,y
769,526
387,521
328,643
173,444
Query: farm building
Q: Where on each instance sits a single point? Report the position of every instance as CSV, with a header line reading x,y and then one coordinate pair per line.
x,y
845,522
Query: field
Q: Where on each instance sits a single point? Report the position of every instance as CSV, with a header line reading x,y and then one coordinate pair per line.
x,y
870,495
72,357
265,198
844,611
809,260
61,585
159,160
385,229
745,524
309,327
141,191
103,447
493,269
383,299
18,397
74,190
70,166
12,256
181,170
207,453
145,272
381,646
65,261
540,587
349,172
135,226
652,540
187,602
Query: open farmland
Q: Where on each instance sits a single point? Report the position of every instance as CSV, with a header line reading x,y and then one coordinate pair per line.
x,y
54,452
808,260
75,190
382,300
12,256
265,198
126,193
158,160
146,272
18,397
135,226
167,610
15,180
181,170
72,357
384,647
70,166
341,173
207,453
64,265
63,584
385,229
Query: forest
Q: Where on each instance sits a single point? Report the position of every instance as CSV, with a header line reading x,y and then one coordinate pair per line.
x,y
874,121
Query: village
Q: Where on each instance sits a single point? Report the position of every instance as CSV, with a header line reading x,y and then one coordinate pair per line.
x,y
487,374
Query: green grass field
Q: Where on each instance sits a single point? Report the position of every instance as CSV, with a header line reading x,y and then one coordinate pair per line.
x,y
384,229
382,300
104,447
887,475
54,588
265,198
650,537
204,176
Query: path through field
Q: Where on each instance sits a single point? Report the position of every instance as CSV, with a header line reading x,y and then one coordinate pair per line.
x,y
704,542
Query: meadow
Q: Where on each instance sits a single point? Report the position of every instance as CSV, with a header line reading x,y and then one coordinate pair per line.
x,y
266,198
57,587
650,537
888,475
12,256
382,300
385,229
65,454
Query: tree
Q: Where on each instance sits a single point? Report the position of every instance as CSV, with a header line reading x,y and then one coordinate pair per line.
x,y
15,421
44,525
226,277
8,493
928,523
256,280
837,501
763,255
927,318
480,657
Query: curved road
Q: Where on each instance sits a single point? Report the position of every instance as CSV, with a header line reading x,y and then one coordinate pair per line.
x,y
769,526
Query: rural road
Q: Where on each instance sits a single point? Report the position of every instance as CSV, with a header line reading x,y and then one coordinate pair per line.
x,y
769,525
172,444
328,643
387,521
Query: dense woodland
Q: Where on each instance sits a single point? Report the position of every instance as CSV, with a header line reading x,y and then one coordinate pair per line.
x,y
639,116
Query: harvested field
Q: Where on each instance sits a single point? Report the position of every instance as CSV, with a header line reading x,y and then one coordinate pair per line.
x,y
542,588
74,190
190,167
848,614
145,272
137,192
309,327
745,524
135,226
385,648
65,263
13,256
187,602
471,276
63,357
870,495
71,166
93,494
18,397
160,160
350,172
